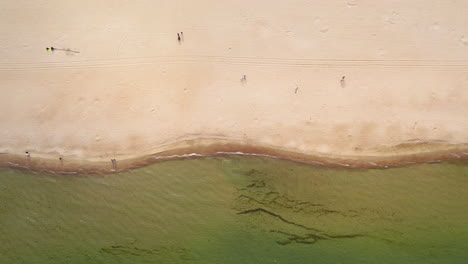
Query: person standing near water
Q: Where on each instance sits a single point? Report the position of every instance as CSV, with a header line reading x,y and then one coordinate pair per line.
x,y
178,37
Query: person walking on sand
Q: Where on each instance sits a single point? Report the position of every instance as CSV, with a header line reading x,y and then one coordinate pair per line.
x,y
243,78
178,37
114,163
27,154
342,82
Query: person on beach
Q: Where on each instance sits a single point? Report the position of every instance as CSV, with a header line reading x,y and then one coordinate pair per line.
x,y
27,154
48,49
182,35
342,82
178,37
114,163
52,48
296,90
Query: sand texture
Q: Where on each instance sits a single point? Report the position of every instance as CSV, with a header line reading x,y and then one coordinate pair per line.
x,y
122,86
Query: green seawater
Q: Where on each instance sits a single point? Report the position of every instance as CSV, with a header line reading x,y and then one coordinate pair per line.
x,y
237,210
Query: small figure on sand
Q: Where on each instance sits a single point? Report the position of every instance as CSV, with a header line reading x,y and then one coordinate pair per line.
x,y
27,154
178,37
114,163
182,35
342,82
296,90
52,48
243,78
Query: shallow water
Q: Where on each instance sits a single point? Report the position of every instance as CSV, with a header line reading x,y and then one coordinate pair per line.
x,y
237,210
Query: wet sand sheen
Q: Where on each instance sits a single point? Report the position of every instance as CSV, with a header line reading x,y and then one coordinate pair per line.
x,y
237,210
401,155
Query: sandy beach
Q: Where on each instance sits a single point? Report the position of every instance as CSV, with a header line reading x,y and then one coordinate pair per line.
x,y
128,89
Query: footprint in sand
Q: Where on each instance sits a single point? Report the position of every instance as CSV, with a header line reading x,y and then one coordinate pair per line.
x,y
464,40
351,4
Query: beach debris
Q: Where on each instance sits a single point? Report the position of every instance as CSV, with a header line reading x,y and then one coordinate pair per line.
x,y
67,51
342,82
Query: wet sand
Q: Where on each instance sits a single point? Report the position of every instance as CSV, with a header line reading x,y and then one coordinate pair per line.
x,y
399,156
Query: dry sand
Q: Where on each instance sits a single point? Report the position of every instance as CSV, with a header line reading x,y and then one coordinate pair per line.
x,y
133,90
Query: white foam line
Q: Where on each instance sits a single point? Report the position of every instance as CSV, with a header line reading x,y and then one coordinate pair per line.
x,y
15,165
246,154
373,163
233,153
58,172
268,156
179,156
317,162
344,165
455,155
11,163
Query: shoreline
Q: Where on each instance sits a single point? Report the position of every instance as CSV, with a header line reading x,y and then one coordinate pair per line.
x,y
389,157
